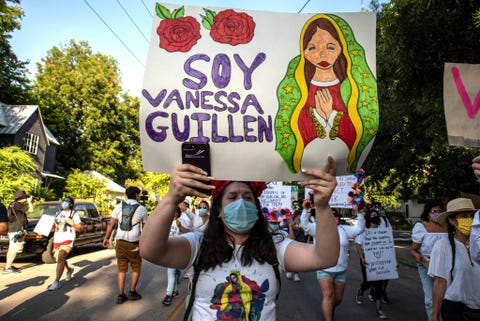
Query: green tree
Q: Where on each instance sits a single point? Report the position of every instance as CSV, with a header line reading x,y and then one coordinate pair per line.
x,y
79,94
14,85
411,155
17,172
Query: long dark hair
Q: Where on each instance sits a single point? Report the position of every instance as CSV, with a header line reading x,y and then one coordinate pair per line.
x,y
217,246
340,66
451,232
368,215
428,207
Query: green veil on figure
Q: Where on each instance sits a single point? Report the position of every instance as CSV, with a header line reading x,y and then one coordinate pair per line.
x,y
354,94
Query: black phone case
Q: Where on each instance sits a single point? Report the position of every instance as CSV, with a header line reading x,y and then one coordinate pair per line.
x,y
197,154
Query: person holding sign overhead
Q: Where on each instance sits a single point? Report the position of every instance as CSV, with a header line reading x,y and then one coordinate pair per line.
x,y
237,261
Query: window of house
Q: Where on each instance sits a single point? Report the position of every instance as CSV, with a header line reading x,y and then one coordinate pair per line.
x,y
30,143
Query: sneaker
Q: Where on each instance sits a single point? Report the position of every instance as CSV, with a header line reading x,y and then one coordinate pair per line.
x,y
370,297
55,285
175,294
167,300
11,270
296,277
289,275
69,274
381,314
359,297
133,295
121,298
385,299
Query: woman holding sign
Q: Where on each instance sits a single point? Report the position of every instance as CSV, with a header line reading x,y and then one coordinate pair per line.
x,y
372,221
237,262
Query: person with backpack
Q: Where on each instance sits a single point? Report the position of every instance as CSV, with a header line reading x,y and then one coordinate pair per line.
x,y
129,218
237,260
67,223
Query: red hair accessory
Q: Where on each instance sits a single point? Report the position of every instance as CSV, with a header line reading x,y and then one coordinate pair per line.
x,y
257,187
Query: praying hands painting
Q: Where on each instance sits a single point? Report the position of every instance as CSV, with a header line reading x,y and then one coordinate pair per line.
x,y
328,97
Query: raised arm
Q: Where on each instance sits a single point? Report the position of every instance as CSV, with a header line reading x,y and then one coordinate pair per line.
x,y
324,253
155,244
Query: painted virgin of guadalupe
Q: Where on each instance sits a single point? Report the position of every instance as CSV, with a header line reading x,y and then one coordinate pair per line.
x,y
327,99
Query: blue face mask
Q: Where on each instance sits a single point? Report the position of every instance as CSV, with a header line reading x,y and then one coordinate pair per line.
x,y
274,226
240,216
202,211
65,205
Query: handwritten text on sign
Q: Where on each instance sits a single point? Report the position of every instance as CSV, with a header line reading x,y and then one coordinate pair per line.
x,y
379,252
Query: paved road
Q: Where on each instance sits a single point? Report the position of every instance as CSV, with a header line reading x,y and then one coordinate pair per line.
x,y
91,294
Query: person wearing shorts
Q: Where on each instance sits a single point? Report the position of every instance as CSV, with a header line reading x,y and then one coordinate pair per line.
x,y
67,223
17,226
127,244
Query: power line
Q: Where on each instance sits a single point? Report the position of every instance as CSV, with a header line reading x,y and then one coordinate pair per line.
x,y
119,39
304,6
133,21
146,8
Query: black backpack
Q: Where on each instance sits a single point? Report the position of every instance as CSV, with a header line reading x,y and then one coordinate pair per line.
x,y
127,214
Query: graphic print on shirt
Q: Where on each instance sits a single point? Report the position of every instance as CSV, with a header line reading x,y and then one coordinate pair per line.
x,y
239,298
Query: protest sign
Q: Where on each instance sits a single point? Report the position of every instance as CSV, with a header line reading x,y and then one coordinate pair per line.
x,y
379,251
248,83
276,196
461,96
340,194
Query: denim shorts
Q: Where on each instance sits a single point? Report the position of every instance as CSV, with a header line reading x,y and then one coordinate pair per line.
x,y
339,277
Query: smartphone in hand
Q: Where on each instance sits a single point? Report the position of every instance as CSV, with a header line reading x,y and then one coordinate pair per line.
x,y
197,154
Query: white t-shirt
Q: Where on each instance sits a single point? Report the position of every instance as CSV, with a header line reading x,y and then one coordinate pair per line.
x,y
63,232
426,239
232,291
475,238
345,232
140,215
466,273
192,221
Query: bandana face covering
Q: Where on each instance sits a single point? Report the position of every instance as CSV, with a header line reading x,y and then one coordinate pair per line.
x,y
240,216
434,216
464,225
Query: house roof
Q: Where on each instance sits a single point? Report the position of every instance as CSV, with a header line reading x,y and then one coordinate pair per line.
x,y
111,185
13,117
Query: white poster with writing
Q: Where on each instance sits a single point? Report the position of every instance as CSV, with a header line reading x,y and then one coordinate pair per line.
x,y
340,194
379,250
461,96
276,196
247,82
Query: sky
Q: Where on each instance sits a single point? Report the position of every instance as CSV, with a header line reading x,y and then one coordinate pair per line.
x,y
122,28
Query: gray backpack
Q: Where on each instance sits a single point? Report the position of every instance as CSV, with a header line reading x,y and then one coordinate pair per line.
x,y
127,215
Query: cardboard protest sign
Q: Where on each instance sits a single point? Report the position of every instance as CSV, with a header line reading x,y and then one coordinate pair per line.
x,y
271,93
379,253
276,196
461,96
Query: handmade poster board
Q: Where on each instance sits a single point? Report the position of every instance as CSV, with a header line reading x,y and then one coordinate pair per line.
x,y
379,250
461,96
276,196
271,93
340,194
44,225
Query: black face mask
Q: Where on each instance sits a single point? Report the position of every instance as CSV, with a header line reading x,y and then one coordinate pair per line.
x,y
375,220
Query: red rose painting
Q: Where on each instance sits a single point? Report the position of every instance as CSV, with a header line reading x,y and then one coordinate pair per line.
x,y
232,27
179,34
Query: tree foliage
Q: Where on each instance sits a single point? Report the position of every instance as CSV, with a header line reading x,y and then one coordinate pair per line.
x,y
79,94
14,85
17,172
411,155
